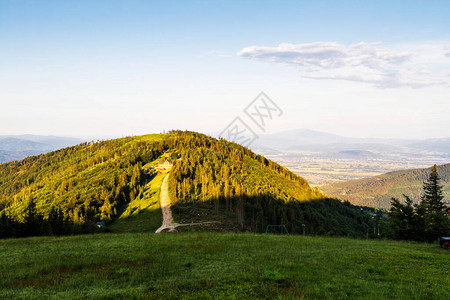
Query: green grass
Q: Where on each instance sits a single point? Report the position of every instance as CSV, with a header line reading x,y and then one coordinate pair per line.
x,y
211,265
142,214
149,137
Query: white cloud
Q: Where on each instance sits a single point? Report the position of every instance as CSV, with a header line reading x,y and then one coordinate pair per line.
x,y
361,62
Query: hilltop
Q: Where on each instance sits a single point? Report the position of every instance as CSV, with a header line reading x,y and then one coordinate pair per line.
x,y
101,181
377,191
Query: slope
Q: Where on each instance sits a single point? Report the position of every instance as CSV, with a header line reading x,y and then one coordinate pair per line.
x,y
377,191
97,181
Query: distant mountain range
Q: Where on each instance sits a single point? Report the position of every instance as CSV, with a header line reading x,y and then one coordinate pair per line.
x,y
325,158
317,141
438,145
377,191
17,147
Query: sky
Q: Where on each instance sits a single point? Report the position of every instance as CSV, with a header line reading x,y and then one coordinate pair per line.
x,y
116,68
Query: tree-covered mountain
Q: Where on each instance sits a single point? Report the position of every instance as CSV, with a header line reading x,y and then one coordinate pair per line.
x,y
377,191
93,181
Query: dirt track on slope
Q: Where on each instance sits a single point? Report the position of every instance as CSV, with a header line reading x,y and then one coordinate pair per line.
x,y
165,206
164,199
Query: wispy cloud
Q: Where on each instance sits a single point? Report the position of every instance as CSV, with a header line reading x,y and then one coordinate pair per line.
x,y
216,53
360,62
447,50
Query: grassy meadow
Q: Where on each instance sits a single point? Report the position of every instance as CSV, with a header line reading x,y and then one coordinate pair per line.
x,y
212,265
142,214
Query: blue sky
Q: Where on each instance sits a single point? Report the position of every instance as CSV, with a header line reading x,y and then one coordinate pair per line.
x,y
113,68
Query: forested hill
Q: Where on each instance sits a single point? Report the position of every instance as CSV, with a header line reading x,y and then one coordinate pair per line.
x,y
377,191
93,181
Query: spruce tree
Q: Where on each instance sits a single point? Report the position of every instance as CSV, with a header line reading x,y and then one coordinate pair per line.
x,y
433,202
402,222
432,193
31,225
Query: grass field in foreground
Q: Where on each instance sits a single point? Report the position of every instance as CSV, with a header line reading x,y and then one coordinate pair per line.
x,y
208,265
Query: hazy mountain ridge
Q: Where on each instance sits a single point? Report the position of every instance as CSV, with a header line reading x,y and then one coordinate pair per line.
x,y
438,145
377,191
17,147
8,156
307,139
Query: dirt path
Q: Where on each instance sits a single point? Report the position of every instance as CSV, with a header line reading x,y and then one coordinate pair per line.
x,y
168,222
165,207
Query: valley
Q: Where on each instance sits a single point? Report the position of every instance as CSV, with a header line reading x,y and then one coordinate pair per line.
x,y
320,170
377,191
324,158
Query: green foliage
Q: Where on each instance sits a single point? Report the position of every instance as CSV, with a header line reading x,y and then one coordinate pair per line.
x,y
220,266
405,223
35,224
432,193
425,221
87,183
142,214
258,191
378,191
106,180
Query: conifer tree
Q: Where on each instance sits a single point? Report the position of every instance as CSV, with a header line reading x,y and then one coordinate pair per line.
x,y
432,193
426,220
32,220
432,199
401,220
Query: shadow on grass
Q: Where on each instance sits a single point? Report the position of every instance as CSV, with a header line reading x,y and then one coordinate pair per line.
x,y
253,214
147,220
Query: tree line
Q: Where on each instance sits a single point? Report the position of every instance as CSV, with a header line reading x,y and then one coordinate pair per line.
x,y
67,191
258,191
424,221
36,224
83,184
91,182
